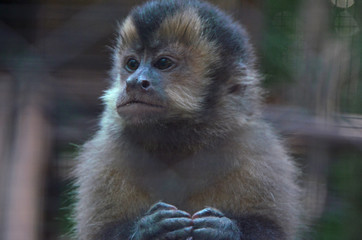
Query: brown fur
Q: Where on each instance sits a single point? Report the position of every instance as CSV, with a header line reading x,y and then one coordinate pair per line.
x,y
128,33
234,162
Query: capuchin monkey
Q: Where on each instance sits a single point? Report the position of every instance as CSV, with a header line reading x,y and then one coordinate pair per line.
x,y
181,151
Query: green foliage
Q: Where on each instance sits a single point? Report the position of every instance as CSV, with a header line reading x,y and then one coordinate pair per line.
x,y
351,98
279,60
279,36
68,198
342,218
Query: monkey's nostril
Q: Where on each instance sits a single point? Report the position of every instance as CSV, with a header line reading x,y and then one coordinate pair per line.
x,y
145,84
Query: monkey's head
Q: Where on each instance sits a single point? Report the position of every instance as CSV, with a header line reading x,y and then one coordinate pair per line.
x,y
181,60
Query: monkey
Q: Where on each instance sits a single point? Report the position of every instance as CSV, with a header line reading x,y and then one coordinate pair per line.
x,y
182,151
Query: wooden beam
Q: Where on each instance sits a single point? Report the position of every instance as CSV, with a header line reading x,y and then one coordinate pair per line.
x,y
26,174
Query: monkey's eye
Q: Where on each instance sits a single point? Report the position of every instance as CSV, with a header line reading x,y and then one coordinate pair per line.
x,y
132,65
164,63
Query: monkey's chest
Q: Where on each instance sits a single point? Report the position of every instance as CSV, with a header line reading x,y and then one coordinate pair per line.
x,y
179,182
170,185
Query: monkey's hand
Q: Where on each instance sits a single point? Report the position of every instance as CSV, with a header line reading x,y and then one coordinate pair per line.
x,y
211,224
163,221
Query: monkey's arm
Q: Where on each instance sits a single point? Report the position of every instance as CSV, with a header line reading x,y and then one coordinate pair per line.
x,y
211,224
260,228
162,221
116,231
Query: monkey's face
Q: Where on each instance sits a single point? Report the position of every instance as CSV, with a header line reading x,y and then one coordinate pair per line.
x,y
179,60
163,75
162,83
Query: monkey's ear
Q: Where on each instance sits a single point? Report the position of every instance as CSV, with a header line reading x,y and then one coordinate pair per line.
x,y
238,85
237,89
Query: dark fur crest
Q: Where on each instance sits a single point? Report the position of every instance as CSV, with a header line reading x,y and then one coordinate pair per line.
x,y
218,27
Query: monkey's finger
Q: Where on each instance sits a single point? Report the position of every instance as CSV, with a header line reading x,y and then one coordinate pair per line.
x,y
161,205
151,230
224,227
210,222
163,214
155,218
204,233
183,234
207,212
172,224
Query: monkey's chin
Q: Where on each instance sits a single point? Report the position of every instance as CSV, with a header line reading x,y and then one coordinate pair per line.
x,y
136,113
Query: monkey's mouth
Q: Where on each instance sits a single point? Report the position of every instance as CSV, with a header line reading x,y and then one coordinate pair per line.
x,y
137,102
138,108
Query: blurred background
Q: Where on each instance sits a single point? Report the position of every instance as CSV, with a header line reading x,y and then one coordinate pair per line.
x,y
54,59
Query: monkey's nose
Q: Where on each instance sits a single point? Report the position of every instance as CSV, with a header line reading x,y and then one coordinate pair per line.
x,y
145,84
138,84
